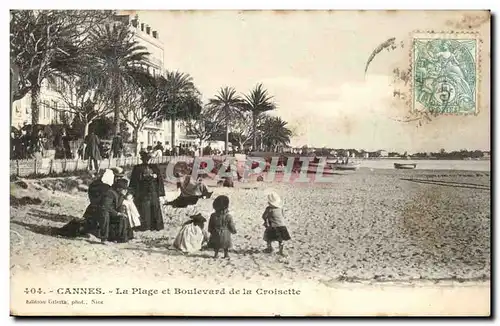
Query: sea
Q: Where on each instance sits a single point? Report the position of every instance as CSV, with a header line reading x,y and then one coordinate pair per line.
x,y
465,165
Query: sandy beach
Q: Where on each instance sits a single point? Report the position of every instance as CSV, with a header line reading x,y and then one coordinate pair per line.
x,y
368,227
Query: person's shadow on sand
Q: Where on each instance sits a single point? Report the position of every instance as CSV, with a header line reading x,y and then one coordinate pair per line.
x,y
40,229
49,230
38,213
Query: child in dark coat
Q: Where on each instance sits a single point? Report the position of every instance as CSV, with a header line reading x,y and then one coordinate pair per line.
x,y
274,222
221,226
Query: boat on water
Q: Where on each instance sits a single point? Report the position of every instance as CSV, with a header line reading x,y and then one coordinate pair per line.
x,y
406,166
336,164
325,169
346,166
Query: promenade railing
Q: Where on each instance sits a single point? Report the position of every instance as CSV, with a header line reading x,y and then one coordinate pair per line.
x,y
46,166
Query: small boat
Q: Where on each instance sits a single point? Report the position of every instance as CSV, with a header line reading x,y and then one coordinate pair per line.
x,y
345,167
407,166
313,168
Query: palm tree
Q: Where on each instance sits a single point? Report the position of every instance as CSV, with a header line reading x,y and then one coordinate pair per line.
x,y
177,98
258,102
226,106
275,133
120,58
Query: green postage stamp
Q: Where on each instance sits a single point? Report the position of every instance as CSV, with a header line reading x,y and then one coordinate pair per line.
x,y
445,73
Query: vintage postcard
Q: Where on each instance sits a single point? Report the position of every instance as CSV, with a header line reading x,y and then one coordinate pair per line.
x,y
250,163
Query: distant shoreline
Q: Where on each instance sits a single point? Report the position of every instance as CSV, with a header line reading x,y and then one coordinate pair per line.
x,y
426,158
434,158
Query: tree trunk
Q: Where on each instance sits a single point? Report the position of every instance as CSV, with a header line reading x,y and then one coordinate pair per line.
x,y
201,147
116,104
86,129
14,80
35,109
254,122
85,133
172,133
226,144
11,95
135,138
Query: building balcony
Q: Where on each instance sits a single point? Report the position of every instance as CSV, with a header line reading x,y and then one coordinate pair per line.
x,y
155,62
154,125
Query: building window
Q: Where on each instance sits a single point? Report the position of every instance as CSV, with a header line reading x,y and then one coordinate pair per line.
x,y
43,109
63,118
55,112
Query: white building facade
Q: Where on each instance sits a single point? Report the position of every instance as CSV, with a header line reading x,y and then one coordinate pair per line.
x,y
153,131
50,103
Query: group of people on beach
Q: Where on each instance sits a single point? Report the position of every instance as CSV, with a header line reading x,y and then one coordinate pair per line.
x,y
221,226
118,207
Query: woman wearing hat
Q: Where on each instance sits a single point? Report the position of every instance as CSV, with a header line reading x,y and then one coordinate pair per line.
x,y
97,190
146,184
118,171
104,207
192,235
92,218
275,223
120,229
221,226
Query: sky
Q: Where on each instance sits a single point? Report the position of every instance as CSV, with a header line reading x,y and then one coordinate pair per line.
x,y
313,63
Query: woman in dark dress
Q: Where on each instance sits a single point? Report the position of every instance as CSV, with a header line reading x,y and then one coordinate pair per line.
x,y
104,218
97,190
146,184
119,226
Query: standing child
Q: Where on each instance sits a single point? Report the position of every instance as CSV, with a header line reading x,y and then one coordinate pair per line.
x,y
275,223
221,226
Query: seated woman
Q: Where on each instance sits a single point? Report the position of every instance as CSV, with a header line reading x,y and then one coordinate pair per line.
x,y
91,218
103,216
191,192
120,229
198,188
192,235
97,190
128,204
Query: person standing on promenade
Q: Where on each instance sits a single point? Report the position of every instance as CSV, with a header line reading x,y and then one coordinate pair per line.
x,y
117,146
92,152
158,150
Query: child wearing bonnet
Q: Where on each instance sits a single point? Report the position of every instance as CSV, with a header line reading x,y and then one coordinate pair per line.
x,y
274,223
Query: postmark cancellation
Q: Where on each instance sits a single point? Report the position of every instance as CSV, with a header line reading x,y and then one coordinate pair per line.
x,y
445,74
